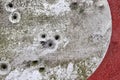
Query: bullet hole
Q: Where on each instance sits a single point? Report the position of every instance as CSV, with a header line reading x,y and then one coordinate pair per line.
x,y
74,5
57,37
15,17
48,44
43,35
34,62
41,69
10,5
3,66
43,43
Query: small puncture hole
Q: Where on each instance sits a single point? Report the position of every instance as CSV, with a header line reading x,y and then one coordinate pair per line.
x,y
34,62
14,16
10,5
43,35
57,37
3,66
50,44
41,69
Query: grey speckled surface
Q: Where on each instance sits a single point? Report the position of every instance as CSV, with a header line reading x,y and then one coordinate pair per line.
x,y
53,39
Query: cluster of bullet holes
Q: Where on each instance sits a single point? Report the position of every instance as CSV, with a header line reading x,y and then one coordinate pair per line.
x,y
14,16
49,43
4,68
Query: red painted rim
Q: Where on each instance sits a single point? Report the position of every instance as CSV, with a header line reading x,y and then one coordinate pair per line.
x,y
110,67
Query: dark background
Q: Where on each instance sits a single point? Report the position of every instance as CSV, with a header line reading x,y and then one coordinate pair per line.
x,y
110,67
